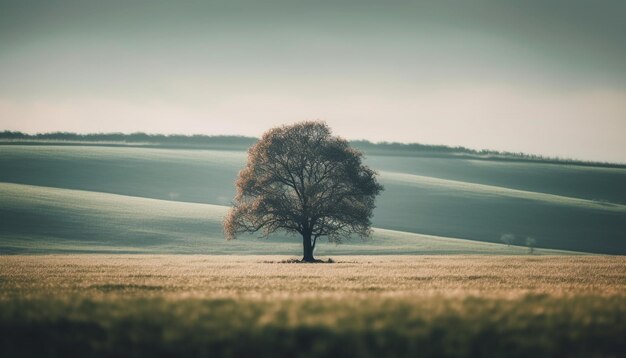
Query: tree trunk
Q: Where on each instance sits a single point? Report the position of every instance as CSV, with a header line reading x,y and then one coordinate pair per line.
x,y
308,248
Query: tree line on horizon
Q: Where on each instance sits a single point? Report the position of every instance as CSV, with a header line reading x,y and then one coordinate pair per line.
x,y
199,140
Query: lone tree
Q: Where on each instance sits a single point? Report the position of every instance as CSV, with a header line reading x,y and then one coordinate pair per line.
x,y
301,179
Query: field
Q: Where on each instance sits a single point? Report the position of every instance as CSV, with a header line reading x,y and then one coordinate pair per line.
x,y
99,199
119,251
152,305
49,220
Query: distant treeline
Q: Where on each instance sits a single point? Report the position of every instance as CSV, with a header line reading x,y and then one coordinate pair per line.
x,y
416,147
243,142
134,138
396,148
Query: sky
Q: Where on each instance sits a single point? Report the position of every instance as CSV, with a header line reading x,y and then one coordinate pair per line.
x,y
542,77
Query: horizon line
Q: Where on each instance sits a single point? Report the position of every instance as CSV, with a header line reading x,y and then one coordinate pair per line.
x,y
441,147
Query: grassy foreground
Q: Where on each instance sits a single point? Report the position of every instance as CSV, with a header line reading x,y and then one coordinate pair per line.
x,y
147,305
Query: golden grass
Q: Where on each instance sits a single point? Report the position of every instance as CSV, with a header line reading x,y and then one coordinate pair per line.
x,y
133,305
173,276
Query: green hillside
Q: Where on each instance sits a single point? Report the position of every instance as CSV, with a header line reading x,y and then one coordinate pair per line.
x,y
49,220
566,207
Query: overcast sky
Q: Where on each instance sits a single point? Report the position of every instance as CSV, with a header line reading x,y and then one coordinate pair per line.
x,y
545,77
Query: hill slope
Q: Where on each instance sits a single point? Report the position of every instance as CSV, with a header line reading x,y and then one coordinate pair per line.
x,y
42,220
562,206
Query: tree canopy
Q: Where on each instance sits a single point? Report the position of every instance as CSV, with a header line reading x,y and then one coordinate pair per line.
x,y
301,179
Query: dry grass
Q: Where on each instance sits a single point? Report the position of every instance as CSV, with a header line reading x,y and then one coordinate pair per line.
x,y
365,305
272,277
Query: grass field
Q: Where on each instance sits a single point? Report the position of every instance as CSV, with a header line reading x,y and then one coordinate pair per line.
x,y
141,266
38,219
61,199
150,305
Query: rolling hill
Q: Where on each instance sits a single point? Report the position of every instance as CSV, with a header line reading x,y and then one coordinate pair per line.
x,y
50,220
134,199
